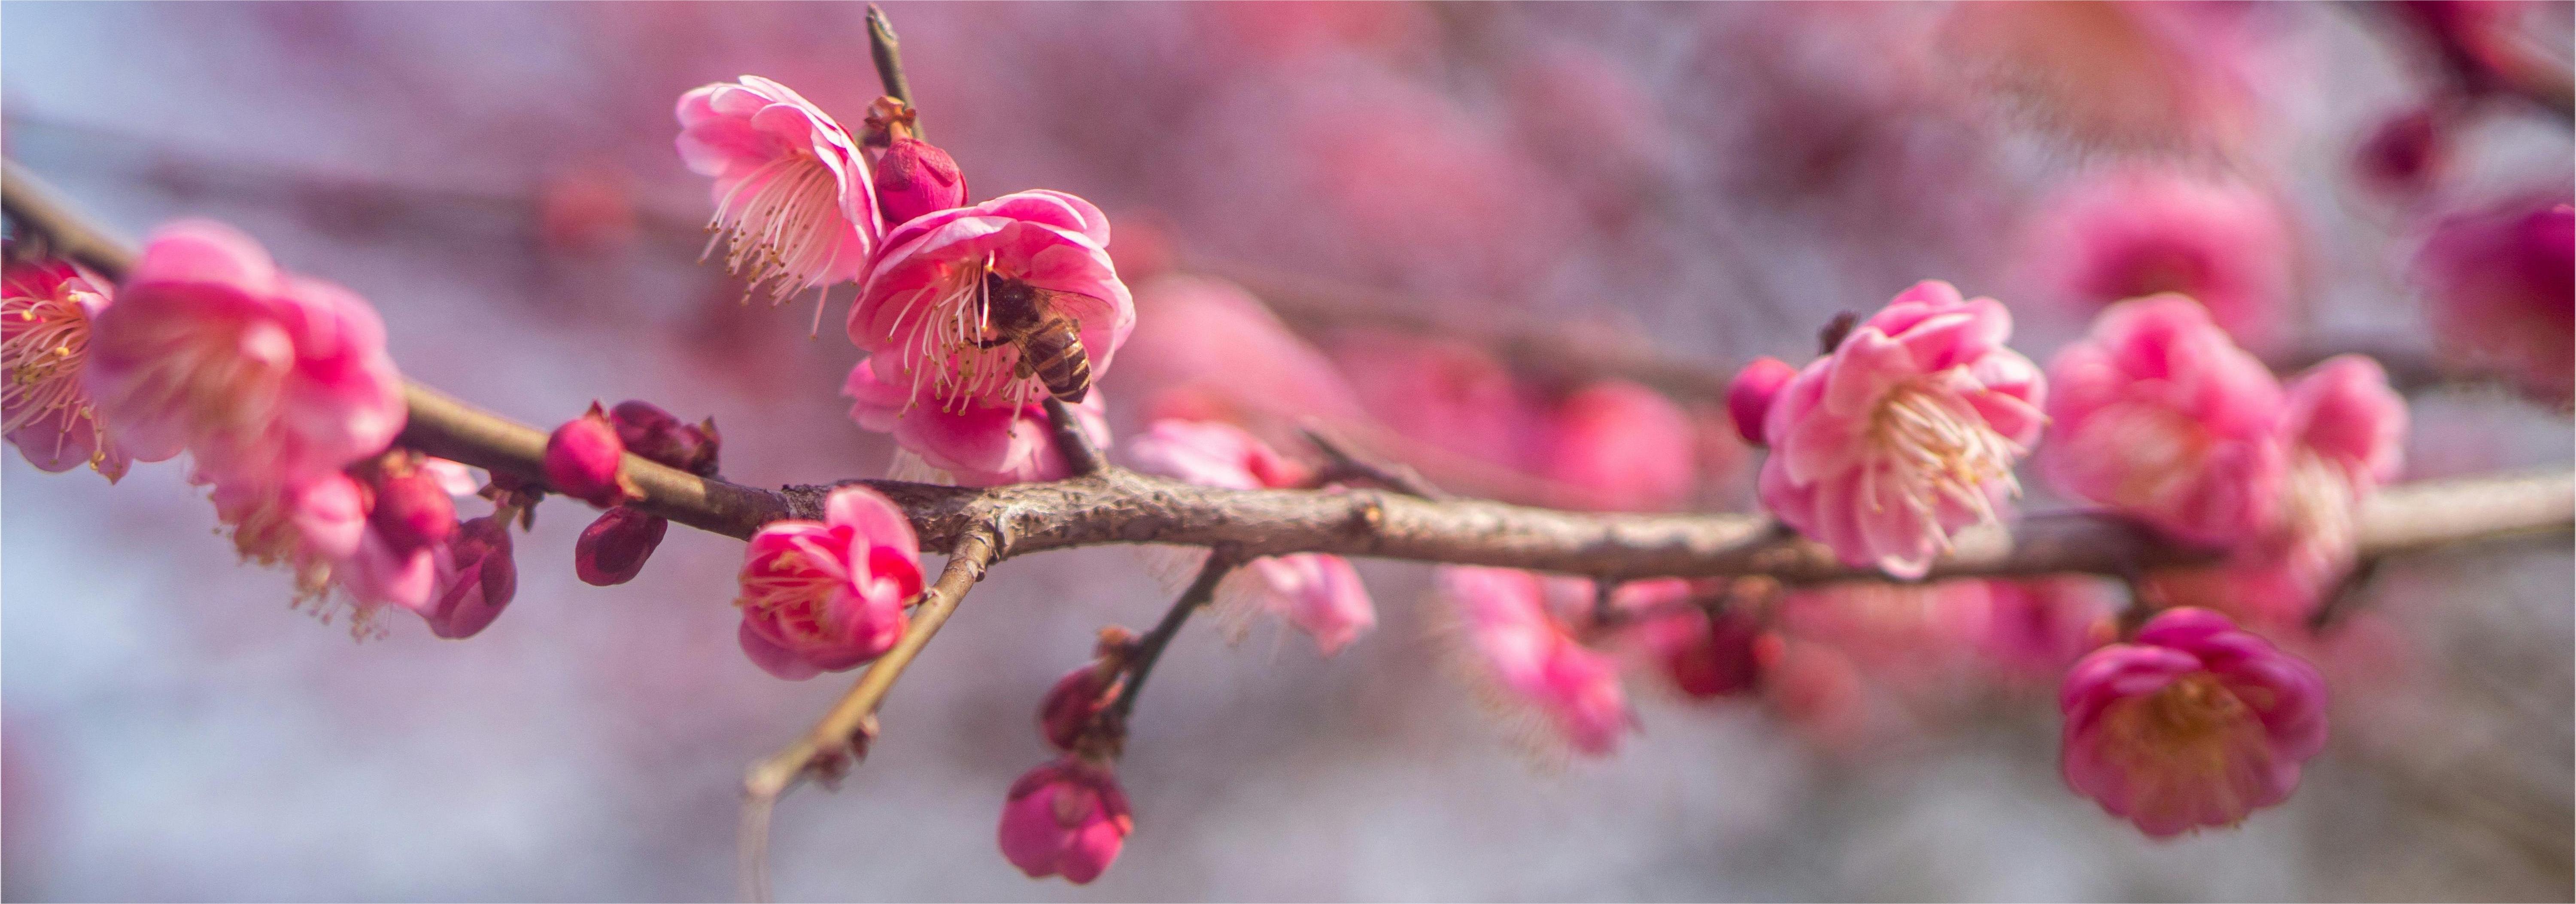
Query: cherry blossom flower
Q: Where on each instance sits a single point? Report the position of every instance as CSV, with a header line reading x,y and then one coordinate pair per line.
x,y
267,378
2159,414
970,443
2132,232
925,314
2194,724
1519,636
1906,433
2502,282
1320,594
828,595
1068,818
1626,447
45,311
792,192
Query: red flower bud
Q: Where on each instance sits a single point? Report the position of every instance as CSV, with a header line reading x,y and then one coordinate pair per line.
x,y
1748,399
582,460
1720,660
2405,154
649,431
612,549
1075,702
915,177
412,509
485,579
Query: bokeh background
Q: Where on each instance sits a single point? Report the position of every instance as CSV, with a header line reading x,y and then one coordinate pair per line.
x,y
1688,184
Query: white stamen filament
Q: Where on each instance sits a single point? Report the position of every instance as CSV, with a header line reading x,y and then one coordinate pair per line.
x,y
942,328
786,232
44,357
1937,447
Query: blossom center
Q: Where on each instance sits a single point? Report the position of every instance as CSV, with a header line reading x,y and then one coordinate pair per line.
x,y
782,226
947,330
2192,731
43,343
1934,448
2317,502
793,592
2157,450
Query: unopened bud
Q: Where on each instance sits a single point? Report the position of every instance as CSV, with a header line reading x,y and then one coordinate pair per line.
x,y
914,178
649,431
2405,154
1075,702
486,578
1748,399
1720,662
612,549
582,460
412,509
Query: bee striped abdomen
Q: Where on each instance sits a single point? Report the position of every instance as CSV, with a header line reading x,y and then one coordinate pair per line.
x,y
1054,353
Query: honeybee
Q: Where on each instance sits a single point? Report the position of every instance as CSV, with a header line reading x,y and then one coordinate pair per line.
x,y
1050,343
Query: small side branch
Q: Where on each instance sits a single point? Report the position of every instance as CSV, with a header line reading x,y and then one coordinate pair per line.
x,y
887,51
1149,649
1341,465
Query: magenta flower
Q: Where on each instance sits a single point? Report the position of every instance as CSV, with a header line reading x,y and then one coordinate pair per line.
x,y
585,460
1906,433
1706,654
2133,232
792,191
1320,594
1066,818
267,378
2194,724
2036,627
924,311
1516,632
971,443
828,595
45,312
2159,414
2502,282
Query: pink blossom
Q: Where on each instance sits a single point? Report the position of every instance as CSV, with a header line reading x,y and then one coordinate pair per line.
x,y
1214,454
924,311
45,311
266,377
1205,349
2194,724
1905,434
969,443
1320,594
2502,282
2133,232
1749,395
1512,623
310,527
1077,699
2159,414
792,191
1067,818
1706,654
1626,447
2037,627
829,595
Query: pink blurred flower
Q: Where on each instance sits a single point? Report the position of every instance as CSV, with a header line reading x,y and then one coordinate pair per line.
x,y
2502,282
969,443
924,311
1077,699
2037,627
45,312
1707,655
2408,153
1320,594
1205,349
1067,818
1906,434
310,528
2194,724
1522,642
2159,414
1749,395
1446,393
2131,232
1914,636
829,595
266,377
1625,446
792,191
1215,454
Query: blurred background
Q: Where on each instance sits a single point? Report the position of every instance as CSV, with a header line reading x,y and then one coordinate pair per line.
x,y
1516,245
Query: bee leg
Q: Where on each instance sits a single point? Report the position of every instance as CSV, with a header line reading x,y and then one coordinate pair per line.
x,y
995,342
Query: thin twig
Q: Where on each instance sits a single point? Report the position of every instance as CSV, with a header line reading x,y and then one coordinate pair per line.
x,y
1149,650
888,53
37,207
1341,465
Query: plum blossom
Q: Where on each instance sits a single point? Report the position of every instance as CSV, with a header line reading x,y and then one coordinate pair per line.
x,y
1068,818
45,311
1906,433
793,197
969,443
2036,627
2158,413
1519,634
2132,232
828,595
2194,724
2502,286
267,378
309,527
1320,594
924,311
1624,446
1205,349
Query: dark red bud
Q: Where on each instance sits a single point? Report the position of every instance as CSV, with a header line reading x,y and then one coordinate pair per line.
x,y
486,578
1075,702
1721,661
582,459
1748,398
612,549
649,431
914,178
2406,154
412,511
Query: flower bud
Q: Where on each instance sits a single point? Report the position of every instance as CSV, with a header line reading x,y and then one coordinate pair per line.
x,y
1077,699
485,579
1067,817
582,460
412,509
1748,398
2405,155
916,177
1720,660
649,431
612,549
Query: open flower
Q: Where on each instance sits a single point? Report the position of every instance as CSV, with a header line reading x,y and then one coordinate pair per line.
x,y
2133,232
2159,414
2502,282
267,378
792,191
1906,433
1320,594
311,527
828,595
969,444
2194,724
1522,642
1066,818
45,312
925,310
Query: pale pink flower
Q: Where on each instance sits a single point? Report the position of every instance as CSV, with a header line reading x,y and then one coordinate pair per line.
x,y
1626,447
1905,434
1214,454
924,311
969,443
1516,625
2159,414
828,595
2194,724
1320,594
2502,282
2132,232
45,312
1066,818
792,192
267,378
